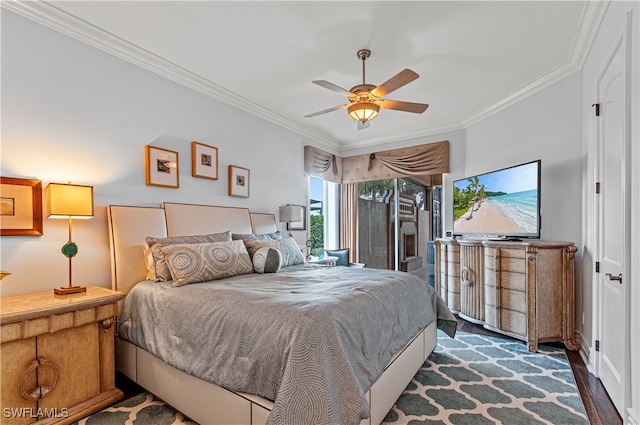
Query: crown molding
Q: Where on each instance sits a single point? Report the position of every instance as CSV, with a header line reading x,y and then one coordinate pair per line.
x,y
50,16
592,16
590,21
515,97
401,137
59,20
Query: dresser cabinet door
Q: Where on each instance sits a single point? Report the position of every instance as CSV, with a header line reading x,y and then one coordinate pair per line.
x,y
15,357
472,305
75,352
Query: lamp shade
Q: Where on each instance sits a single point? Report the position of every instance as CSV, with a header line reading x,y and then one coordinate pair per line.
x,y
290,213
363,111
69,201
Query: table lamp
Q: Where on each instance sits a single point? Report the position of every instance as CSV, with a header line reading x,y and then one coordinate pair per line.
x,y
69,201
289,213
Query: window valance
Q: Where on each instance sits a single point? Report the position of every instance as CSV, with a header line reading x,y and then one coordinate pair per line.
x,y
415,161
323,165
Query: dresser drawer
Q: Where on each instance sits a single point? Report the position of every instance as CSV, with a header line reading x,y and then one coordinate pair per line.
x,y
513,280
513,322
516,300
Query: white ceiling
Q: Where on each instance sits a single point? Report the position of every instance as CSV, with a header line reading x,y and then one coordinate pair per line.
x,y
473,57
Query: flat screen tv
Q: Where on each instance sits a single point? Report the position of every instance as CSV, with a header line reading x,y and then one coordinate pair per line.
x,y
501,204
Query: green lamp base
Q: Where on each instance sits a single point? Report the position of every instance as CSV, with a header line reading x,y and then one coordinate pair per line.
x,y
70,249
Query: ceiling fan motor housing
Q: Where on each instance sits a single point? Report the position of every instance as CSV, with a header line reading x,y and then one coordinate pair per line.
x,y
362,92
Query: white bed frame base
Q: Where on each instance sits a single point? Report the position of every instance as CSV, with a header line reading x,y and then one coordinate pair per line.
x,y
202,401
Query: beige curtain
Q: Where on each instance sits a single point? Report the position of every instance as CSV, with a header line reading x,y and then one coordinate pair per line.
x,y
349,219
323,165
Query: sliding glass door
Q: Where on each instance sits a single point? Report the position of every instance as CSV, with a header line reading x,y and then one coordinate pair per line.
x,y
393,231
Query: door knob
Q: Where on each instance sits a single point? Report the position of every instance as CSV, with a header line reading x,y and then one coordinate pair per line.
x,y
612,277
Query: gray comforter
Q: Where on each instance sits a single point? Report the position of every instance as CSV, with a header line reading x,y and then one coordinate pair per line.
x,y
312,339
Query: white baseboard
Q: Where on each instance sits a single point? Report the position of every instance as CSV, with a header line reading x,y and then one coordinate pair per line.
x,y
633,418
586,353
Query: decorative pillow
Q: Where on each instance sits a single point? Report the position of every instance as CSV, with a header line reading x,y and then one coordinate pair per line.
x,y
158,268
342,254
262,237
267,260
202,262
288,247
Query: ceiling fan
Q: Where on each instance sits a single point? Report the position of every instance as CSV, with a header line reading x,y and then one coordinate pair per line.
x,y
365,100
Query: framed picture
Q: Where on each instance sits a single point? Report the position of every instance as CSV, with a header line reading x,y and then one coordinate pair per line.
x,y
161,166
238,181
20,207
204,161
299,225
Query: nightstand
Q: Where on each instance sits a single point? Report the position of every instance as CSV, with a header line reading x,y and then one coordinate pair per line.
x,y
325,261
57,355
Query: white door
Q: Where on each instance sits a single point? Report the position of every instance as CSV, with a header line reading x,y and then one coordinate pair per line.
x,y
613,222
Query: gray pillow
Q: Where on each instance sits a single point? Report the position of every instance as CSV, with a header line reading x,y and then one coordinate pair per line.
x,y
203,262
288,247
262,237
156,264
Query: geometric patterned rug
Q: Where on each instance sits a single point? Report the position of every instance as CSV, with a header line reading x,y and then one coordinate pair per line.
x,y
143,409
470,380
476,379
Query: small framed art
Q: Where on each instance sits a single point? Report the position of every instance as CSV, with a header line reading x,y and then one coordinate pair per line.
x,y
299,225
204,161
161,167
20,207
238,181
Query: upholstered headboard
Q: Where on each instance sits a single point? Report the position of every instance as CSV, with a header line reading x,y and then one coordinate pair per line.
x,y
263,223
188,219
130,225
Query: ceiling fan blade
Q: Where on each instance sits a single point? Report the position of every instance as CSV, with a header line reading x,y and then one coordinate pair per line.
x,y
363,124
324,111
402,78
332,87
397,105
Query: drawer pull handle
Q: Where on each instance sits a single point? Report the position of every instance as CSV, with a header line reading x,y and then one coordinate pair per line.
x,y
465,275
106,324
42,390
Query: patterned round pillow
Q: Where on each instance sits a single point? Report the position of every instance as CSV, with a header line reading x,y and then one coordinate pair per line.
x,y
267,260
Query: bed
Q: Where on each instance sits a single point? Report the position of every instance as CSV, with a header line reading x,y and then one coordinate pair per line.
x,y
330,356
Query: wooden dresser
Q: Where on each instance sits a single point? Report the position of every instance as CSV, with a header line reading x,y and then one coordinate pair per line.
x,y
57,355
521,289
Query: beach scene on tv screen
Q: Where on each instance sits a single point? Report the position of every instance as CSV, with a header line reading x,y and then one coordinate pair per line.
x,y
504,202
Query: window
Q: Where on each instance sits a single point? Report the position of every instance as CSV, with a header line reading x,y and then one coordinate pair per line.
x,y
324,216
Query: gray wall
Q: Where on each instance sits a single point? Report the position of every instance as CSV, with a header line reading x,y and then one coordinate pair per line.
x,y
71,112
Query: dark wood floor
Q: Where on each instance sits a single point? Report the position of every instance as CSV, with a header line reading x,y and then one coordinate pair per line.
x,y
596,401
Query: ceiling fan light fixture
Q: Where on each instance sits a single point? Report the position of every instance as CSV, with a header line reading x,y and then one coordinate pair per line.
x,y
363,111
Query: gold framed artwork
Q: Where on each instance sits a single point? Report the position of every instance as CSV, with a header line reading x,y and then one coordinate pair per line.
x,y
204,161
161,166
20,207
238,181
